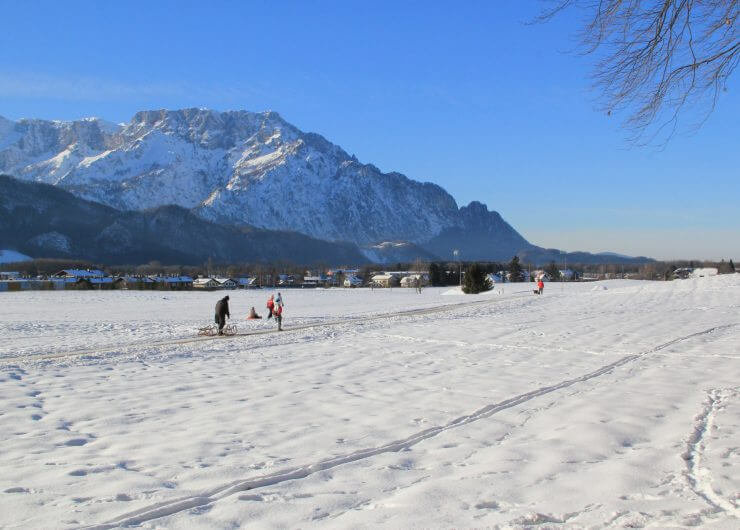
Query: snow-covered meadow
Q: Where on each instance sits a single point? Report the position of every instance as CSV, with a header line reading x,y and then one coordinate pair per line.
x,y
614,404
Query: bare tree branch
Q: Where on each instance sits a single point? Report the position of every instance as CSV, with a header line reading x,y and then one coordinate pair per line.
x,y
657,58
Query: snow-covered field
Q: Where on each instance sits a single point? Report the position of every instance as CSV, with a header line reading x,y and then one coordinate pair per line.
x,y
585,407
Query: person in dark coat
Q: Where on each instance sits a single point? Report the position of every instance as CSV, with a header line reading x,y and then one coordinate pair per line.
x,y
222,311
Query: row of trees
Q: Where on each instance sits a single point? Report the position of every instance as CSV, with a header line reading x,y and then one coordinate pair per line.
x,y
440,273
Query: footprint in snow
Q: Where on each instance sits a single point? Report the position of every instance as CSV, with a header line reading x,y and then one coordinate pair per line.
x,y
17,490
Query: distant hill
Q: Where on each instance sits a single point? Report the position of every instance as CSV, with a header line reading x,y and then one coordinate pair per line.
x,y
45,221
546,255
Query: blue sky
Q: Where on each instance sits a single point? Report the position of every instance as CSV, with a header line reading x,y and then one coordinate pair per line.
x,y
463,94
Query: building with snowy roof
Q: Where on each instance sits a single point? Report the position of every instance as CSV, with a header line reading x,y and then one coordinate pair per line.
x,y
386,280
79,273
205,283
414,280
247,283
353,281
227,283
173,283
135,282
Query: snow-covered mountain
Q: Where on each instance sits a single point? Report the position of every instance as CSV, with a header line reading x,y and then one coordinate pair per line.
x,y
245,168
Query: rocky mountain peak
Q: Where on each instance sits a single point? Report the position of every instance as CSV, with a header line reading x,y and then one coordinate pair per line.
x,y
238,168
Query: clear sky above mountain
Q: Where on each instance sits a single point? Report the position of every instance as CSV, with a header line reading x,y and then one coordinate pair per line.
x,y
465,95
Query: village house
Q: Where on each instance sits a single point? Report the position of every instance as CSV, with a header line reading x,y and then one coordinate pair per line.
x,y
104,283
311,281
227,283
71,276
205,283
353,281
541,275
414,280
247,283
135,282
567,274
172,283
385,280
338,276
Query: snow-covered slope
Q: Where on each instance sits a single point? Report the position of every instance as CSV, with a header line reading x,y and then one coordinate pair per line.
x,y
237,167
577,409
12,256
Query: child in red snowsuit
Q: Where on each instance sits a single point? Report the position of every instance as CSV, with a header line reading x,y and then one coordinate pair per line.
x,y
270,306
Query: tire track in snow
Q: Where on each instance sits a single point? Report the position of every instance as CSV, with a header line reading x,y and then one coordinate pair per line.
x,y
190,340
698,477
174,506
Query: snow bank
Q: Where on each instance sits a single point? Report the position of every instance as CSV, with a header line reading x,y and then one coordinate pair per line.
x,y
704,272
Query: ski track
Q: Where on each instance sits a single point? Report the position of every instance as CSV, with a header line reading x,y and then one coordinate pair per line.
x,y
190,340
693,455
698,477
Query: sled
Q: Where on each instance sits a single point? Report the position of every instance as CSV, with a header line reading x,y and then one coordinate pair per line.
x,y
212,330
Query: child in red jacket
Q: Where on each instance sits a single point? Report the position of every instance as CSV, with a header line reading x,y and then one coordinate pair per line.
x,y
270,306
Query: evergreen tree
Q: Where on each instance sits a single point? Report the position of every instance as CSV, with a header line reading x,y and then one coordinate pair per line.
x,y
475,280
437,274
515,270
732,266
552,271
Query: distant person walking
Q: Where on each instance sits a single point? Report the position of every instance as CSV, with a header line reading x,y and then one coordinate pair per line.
x,y
540,286
279,316
222,312
270,306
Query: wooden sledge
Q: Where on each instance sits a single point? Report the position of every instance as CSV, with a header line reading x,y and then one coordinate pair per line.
x,y
212,330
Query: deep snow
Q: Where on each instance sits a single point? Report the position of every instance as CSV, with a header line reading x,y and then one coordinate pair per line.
x,y
578,408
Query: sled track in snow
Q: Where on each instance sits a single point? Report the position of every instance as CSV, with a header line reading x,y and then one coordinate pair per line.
x,y
698,477
174,506
288,329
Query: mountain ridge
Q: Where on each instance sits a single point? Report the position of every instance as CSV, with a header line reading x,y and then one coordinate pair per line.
x,y
246,169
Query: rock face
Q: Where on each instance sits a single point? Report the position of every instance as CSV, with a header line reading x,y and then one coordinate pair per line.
x,y
244,168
